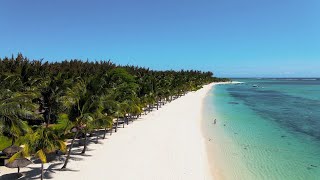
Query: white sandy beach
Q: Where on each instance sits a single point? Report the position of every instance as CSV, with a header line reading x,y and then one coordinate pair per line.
x,y
167,144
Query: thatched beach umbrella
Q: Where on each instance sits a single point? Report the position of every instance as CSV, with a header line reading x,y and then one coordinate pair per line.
x,y
19,163
11,150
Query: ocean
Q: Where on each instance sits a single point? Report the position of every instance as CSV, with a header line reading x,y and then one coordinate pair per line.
x,y
265,129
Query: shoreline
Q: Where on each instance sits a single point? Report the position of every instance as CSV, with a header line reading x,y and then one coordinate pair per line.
x,y
164,144
210,148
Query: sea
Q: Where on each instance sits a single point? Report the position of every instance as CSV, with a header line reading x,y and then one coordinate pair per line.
x,y
265,129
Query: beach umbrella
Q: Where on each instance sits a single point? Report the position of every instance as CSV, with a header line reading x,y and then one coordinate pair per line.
x,y
19,163
11,150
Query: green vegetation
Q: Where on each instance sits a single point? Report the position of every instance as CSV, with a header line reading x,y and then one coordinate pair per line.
x,y
43,103
4,142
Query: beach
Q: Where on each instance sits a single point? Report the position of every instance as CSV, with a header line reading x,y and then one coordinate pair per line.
x,y
164,144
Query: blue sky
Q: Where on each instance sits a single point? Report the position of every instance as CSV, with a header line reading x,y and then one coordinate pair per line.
x,y
232,38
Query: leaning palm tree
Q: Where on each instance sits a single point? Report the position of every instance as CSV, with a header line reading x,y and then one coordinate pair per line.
x,y
86,120
81,105
76,129
69,101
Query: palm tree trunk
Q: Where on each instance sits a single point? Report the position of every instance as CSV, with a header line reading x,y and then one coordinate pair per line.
x,y
105,132
117,125
69,152
49,118
13,141
41,177
97,137
85,142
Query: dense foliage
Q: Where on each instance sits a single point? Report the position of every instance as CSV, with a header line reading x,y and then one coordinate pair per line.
x,y
53,101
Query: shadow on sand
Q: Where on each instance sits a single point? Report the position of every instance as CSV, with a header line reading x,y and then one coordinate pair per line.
x,y
56,160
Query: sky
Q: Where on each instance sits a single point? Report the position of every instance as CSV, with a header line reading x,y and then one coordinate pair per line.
x,y
232,38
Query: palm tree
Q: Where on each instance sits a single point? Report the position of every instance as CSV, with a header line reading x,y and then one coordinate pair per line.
x,y
124,110
71,101
102,121
14,109
50,94
75,130
118,113
40,143
110,108
86,121
136,109
82,107
151,98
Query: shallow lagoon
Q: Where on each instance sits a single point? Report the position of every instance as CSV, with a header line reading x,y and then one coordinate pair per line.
x,y
266,129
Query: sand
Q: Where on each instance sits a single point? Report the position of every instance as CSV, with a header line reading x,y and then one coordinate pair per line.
x,y
167,144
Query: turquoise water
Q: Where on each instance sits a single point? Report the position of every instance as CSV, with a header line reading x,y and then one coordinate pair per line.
x,y
266,129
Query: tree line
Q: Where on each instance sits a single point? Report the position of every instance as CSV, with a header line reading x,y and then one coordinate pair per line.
x,y
44,103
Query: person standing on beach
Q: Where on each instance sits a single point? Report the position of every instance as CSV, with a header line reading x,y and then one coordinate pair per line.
x,y
215,121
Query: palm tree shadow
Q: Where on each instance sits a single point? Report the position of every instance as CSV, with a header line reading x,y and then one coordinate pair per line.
x,y
78,152
34,172
53,168
73,158
99,142
11,176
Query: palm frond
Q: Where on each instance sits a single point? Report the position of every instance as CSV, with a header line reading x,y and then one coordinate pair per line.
x,y
62,145
42,156
15,156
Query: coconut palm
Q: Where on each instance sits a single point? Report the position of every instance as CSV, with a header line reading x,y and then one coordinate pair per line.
x,y
14,109
118,113
82,108
102,121
49,99
151,99
110,108
75,130
40,143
